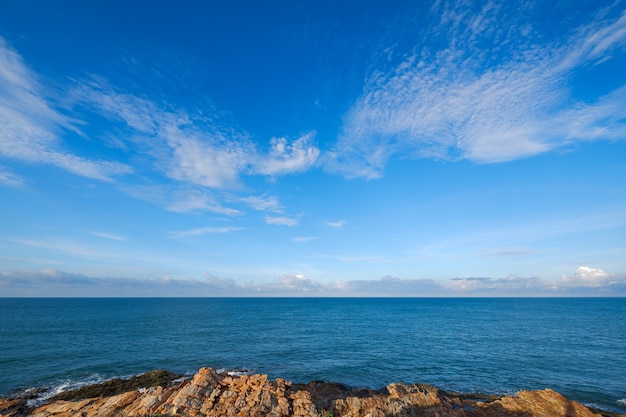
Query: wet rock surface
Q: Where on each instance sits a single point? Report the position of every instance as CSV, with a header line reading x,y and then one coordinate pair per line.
x,y
119,386
210,393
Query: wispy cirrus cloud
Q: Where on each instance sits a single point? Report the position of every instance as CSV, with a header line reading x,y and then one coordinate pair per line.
x,y
486,95
287,158
189,148
7,177
181,199
70,247
305,239
197,160
32,127
337,224
192,147
263,203
200,153
282,220
203,231
185,200
365,259
107,235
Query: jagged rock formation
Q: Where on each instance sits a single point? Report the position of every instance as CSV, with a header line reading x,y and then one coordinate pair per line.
x,y
210,393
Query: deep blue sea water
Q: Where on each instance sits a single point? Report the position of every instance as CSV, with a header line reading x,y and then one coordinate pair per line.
x,y
575,346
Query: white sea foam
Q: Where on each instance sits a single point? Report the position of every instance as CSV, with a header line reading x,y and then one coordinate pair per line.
x,y
65,385
622,402
45,393
182,378
234,372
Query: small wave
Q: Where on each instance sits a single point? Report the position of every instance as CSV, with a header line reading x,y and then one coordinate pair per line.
x,y
27,393
622,402
45,393
234,372
238,373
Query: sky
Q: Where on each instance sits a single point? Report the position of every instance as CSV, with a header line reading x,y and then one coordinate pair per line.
x,y
312,148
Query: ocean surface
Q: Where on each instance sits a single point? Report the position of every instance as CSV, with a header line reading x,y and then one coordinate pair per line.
x,y
574,346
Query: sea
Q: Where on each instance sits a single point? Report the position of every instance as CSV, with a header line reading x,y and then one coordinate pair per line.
x,y
576,346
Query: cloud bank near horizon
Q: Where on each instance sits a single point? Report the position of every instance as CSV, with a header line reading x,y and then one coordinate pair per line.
x,y
585,281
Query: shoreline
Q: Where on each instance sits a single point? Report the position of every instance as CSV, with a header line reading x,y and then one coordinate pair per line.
x,y
166,393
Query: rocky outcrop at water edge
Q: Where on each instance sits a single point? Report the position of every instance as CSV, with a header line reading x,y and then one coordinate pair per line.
x,y
210,393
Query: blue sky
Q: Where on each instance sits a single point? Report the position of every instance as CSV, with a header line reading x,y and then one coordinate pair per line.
x,y
297,148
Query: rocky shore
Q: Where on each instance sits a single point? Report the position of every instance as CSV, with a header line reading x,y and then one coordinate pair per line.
x,y
209,393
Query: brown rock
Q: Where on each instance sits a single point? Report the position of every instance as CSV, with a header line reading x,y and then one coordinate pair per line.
x,y
544,403
10,407
302,404
211,394
151,399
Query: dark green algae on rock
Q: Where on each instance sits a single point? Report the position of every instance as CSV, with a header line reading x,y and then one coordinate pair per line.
x,y
119,386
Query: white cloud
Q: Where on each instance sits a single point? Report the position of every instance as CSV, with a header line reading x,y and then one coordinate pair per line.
x,y
263,203
305,239
180,199
192,147
69,247
140,114
585,281
199,160
186,147
190,203
57,283
53,282
282,220
288,158
203,231
106,235
31,127
586,276
512,285
336,224
11,179
300,283
596,42
458,102
389,286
